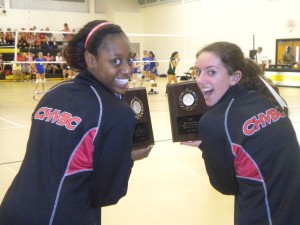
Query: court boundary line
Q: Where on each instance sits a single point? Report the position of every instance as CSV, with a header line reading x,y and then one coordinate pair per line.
x,y
8,121
12,162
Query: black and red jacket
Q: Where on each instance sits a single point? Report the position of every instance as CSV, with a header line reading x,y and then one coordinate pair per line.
x,y
251,151
78,157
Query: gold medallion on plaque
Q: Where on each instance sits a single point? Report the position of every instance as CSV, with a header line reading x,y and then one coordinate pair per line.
x,y
188,100
137,106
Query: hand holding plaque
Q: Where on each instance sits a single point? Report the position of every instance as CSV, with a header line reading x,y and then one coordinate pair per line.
x,y
186,106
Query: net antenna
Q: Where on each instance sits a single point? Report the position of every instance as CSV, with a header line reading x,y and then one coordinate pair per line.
x,y
29,13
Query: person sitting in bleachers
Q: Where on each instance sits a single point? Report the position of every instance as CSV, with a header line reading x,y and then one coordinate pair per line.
x,y
30,58
59,59
40,39
49,37
17,71
1,64
2,35
51,67
30,39
26,70
22,43
9,37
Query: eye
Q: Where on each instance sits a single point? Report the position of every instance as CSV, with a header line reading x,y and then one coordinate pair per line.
x,y
198,72
117,61
211,72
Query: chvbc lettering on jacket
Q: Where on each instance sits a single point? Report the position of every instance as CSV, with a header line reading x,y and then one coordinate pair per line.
x,y
78,156
251,151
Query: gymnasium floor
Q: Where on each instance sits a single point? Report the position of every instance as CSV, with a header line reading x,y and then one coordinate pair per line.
x,y
170,187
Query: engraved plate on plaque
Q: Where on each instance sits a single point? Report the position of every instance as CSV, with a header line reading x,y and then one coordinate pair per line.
x,y
186,107
138,101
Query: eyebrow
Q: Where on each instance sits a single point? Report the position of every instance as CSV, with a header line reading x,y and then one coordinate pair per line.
x,y
208,67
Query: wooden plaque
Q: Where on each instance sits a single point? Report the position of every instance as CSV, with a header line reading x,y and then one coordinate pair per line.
x,y
186,107
138,101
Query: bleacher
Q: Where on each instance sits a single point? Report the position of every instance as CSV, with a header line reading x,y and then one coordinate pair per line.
x,y
8,55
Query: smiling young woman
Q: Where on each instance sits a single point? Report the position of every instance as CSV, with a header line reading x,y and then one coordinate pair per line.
x,y
248,142
79,153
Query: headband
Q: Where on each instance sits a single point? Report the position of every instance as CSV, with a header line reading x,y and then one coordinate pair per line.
x,y
93,31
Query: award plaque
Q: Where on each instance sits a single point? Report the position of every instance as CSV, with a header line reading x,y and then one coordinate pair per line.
x,y
186,107
138,101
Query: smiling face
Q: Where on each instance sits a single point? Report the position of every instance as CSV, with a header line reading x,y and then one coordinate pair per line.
x,y
213,78
113,64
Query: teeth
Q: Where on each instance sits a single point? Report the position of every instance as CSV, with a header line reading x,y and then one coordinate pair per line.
x,y
120,81
206,90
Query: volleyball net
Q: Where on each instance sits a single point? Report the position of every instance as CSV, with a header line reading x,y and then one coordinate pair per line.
x,y
163,45
52,42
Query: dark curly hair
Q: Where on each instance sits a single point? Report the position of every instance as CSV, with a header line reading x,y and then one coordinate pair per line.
x,y
74,51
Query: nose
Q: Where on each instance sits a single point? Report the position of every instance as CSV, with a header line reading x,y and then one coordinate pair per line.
x,y
201,78
126,69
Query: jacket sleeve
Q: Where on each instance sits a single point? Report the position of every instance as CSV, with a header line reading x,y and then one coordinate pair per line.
x,y
218,159
112,158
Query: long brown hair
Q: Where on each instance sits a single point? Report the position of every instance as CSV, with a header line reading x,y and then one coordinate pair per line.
x,y
233,59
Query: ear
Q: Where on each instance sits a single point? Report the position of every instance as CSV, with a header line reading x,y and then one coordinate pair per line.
x,y
90,60
236,77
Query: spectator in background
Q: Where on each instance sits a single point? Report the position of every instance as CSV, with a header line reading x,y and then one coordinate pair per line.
x,y
41,38
67,36
26,70
261,59
1,64
17,67
17,71
2,37
288,57
30,39
48,36
30,58
59,59
22,43
9,37
65,71
47,57
49,66
60,63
